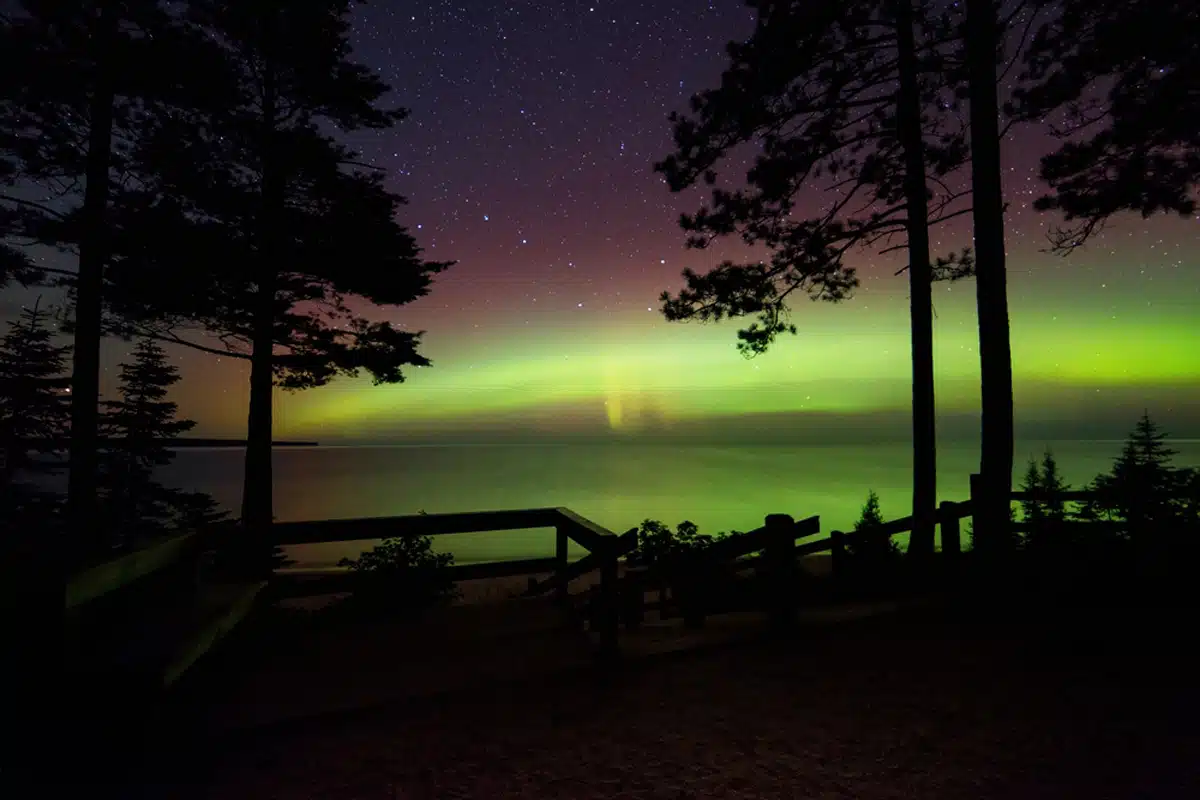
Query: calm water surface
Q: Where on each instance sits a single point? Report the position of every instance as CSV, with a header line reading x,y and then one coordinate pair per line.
x,y
719,488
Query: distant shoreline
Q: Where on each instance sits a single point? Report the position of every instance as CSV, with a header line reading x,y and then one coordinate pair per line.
x,y
184,444
187,443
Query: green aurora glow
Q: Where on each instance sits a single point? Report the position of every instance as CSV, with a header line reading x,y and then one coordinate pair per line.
x,y
1077,351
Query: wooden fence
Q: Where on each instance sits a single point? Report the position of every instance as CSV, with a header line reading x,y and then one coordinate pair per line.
x,y
604,547
771,551
151,613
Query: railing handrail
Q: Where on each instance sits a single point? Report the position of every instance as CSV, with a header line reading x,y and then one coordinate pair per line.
x,y
947,511
108,576
593,561
354,528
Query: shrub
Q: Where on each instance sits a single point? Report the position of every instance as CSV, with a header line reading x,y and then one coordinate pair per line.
x,y
400,577
863,547
657,541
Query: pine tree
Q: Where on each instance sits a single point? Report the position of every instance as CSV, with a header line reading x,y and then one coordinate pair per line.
x,y
1046,510
1051,486
138,429
1140,489
34,409
1124,73
76,79
284,222
867,547
843,96
871,516
1031,508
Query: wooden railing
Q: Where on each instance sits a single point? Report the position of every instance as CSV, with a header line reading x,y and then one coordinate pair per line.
x,y
152,611
1070,496
948,518
604,547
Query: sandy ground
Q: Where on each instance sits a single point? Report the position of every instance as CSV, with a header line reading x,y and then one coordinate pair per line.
x,y
496,589
919,710
487,590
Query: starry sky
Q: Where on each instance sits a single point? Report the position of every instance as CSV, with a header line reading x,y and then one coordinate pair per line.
x,y
528,159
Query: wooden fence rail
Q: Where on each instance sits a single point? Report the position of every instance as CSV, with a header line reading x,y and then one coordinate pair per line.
x,y
604,548
152,612
947,517
772,550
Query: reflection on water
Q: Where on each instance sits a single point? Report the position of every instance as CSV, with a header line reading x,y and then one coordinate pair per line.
x,y
718,488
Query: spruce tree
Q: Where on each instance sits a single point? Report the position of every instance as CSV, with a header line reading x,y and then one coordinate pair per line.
x,y
284,223
1052,485
34,421
1045,511
76,80
34,403
1140,489
1031,508
868,548
138,429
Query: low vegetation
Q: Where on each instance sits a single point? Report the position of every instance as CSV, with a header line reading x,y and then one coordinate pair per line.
x,y
656,541
401,577
138,424
863,548
1143,499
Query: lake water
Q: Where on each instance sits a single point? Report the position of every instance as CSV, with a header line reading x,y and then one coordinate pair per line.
x,y
719,488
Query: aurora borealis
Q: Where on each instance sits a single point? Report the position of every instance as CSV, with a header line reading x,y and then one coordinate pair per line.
x,y
528,159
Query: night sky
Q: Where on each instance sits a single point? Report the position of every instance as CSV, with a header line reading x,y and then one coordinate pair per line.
x,y
528,159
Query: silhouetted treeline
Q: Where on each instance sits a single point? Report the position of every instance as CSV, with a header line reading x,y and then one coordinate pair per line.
x,y
138,426
181,151
1144,498
881,103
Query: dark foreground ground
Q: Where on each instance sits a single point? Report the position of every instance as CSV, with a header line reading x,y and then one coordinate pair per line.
x,y
919,708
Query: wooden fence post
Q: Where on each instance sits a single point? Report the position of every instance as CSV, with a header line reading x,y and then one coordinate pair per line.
x,y
781,555
976,515
560,554
609,605
951,542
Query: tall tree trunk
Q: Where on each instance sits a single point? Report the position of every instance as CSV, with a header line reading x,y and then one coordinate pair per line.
x,y
258,485
920,282
995,355
82,455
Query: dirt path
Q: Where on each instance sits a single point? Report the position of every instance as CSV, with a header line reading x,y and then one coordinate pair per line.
x,y
867,711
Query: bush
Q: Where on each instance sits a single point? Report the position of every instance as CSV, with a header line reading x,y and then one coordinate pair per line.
x,y
866,548
400,577
657,541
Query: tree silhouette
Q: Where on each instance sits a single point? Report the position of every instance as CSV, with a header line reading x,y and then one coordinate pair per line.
x,y
1046,510
866,548
15,265
1130,145
34,402
77,78
283,224
982,36
1031,509
847,97
1141,488
138,428
1051,485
